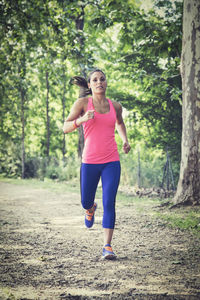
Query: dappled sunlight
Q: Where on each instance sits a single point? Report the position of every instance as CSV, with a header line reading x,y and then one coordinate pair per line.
x,y
57,255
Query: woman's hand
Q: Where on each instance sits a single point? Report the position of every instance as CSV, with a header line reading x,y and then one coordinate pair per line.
x,y
126,147
87,116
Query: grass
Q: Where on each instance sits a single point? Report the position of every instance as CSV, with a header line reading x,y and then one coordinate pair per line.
x,y
184,218
53,185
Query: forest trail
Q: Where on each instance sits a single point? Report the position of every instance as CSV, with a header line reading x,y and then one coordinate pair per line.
x,y
47,253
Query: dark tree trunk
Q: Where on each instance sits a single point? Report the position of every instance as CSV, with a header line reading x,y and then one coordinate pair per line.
x,y
80,26
22,90
22,132
63,115
139,170
47,116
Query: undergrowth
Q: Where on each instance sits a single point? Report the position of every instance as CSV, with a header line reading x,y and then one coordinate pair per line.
x,y
184,218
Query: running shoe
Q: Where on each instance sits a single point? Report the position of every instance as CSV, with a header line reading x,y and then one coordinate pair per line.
x,y
89,216
108,252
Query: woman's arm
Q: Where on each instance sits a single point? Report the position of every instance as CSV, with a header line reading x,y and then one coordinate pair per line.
x,y
76,116
121,128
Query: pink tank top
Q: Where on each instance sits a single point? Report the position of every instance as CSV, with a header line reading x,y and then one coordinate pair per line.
x,y
99,133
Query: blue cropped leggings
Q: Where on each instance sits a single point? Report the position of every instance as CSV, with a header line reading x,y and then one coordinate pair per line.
x,y
110,177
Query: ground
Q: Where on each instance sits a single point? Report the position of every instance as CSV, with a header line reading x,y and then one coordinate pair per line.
x,y
47,253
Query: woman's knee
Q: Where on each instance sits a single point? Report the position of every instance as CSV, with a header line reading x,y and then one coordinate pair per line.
x,y
87,204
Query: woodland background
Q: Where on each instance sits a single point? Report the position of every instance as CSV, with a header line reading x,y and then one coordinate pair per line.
x,y
45,43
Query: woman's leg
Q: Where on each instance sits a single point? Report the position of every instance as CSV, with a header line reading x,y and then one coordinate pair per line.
x,y
110,181
89,178
108,233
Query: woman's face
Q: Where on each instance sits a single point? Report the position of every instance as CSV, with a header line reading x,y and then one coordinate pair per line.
x,y
98,83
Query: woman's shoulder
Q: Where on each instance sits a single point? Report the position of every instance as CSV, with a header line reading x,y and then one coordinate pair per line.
x,y
82,103
116,105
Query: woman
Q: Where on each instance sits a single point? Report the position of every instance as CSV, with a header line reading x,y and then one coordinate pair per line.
x,y
100,158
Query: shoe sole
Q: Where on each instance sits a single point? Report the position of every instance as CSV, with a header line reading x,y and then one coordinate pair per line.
x,y
109,257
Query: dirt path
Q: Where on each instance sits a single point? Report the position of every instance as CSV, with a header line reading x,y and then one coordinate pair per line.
x,y
47,253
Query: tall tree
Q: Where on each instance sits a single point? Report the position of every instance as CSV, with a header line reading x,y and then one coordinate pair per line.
x,y
22,90
63,101
83,56
188,191
20,30
47,114
80,26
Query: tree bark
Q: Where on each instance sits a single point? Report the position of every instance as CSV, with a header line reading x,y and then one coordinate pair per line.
x,y
80,26
23,132
63,115
47,115
188,190
139,170
22,90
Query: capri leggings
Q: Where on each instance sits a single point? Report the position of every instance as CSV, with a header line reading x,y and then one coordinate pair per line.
x,y
110,177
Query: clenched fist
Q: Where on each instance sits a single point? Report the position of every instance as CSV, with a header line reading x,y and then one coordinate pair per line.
x,y
126,147
88,115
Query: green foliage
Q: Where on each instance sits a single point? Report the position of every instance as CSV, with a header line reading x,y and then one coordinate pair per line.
x,y
153,64
10,160
140,53
52,169
63,171
151,167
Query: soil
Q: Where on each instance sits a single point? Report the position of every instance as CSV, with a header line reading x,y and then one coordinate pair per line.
x,y
47,253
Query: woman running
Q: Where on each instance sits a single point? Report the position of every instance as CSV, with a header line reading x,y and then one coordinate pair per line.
x,y
100,159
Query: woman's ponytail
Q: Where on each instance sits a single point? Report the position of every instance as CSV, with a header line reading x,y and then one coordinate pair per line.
x,y
82,83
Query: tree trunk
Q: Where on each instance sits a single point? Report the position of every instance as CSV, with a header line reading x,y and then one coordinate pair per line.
x,y
22,90
80,26
63,114
188,190
139,170
47,115
23,132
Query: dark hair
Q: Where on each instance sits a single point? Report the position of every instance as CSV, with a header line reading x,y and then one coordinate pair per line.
x,y
93,71
83,83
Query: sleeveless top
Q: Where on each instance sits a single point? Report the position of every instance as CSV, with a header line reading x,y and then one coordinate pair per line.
x,y
99,133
